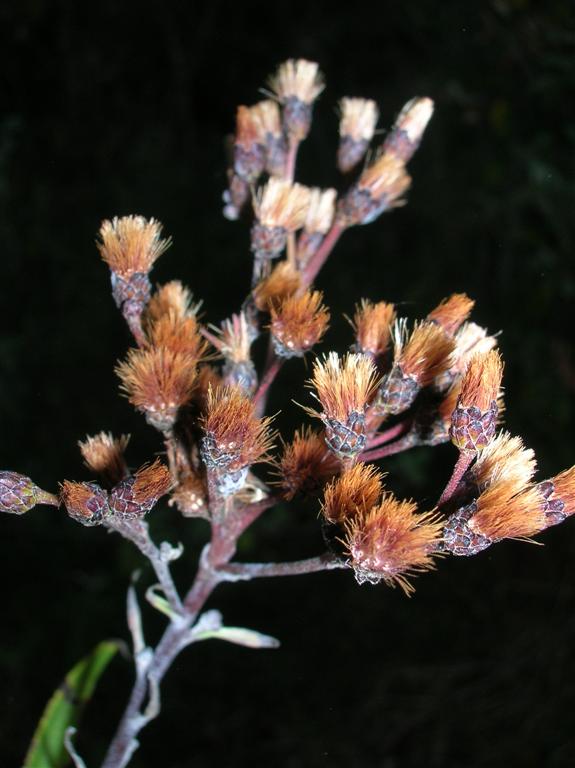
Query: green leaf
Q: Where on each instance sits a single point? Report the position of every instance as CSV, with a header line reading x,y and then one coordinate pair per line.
x,y
240,636
47,749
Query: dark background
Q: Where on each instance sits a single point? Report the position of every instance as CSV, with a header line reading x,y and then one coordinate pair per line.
x,y
109,108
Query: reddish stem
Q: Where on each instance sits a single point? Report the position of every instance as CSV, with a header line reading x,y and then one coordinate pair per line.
x,y
320,256
403,444
389,434
461,466
291,158
268,376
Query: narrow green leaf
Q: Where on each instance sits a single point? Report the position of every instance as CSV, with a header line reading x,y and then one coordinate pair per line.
x,y
47,749
240,636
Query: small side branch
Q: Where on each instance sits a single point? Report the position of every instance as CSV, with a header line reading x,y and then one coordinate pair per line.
x,y
249,571
463,462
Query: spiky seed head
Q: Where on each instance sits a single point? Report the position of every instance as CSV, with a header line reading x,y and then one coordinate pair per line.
x,y
268,114
172,298
104,455
283,282
249,145
269,117
474,420
321,210
385,178
391,542
558,497
298,323
18,493
297,84
471,339
235,337
191,497
344,385
136,495
178,334
249,128
506,511
452,312
372,324
86,503
358,118
234,438
305,465
408,129
158,381
282,204
504,458
352,494
297,78
131,244
425,354
344,389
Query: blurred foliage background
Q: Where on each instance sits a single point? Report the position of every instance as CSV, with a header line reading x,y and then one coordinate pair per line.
x,y
109,109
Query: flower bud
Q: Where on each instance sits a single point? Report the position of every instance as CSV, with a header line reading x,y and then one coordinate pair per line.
x,y
344,388
474,420
356,128
86,503
297,84
18,493
405,136
136,495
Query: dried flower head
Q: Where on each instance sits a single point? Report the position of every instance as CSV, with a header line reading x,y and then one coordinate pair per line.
x,y
270,120
474,420
372,324
234,340
172,298
234,438
86,503
282,204
297,84
506,511
471,339
558,497
136,495
158,382
280,207
178,334
305,465
283,282
298,323
344,389
505,457
352,494
104,454
358,118
131,244
249,145
320,211
191,496
392,542
380,187
18,493
452,312
407,132
417,361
